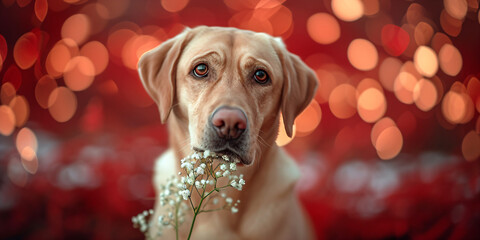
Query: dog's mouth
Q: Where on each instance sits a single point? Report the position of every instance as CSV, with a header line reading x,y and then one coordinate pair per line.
x,y
231,153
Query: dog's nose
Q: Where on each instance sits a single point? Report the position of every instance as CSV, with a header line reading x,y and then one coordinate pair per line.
x,y
229,122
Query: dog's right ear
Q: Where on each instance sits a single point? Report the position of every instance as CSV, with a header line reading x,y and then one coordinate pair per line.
x,y
157,69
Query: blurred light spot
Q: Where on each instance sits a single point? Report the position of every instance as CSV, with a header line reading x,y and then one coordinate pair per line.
x,y
29,160
412,45
117,40
379,127
21,110
389,143
3,50
405,83
473,90
374,25
372,105
62,104
426,61
309,119
7,120
471,146
174,5
395,40
323,28
450,60
423,33
439,87
7,93
456,8
388,72
438,40
59,56
76,27
415,13
454,107
25,51
328,83
342,101
41,9
97,53
98,22
450,25
384,181
425,95
347,10
281,20
135,48
351,177
108,87
282,138
26,138
79,73
43,89
13,76
23,3
362,54
254,20
16,174
368,83
371,7
115,8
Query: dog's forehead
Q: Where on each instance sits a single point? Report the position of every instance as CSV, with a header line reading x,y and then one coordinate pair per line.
x,y
234,42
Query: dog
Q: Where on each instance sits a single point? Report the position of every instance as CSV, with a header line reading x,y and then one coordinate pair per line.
x,y
223,89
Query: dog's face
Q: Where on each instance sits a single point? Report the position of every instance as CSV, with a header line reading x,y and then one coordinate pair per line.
x,y
227,86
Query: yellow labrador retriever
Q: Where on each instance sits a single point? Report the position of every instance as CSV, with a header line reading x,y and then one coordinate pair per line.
x,y
222,89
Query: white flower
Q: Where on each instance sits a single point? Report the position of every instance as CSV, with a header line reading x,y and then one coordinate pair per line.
x,y
233,166
218,174
234,210
226,173
200,171
198,184
203,165
223,167
226,158
206,154
228,200
187,166
185,194
241,181
190,181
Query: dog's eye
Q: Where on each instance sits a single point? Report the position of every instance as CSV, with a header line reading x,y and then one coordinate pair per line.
x,y
261,77
201,70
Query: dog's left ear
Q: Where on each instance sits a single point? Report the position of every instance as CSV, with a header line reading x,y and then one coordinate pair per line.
x,y
157,70
299,85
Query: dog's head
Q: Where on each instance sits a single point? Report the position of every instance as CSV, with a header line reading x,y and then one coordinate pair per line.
x,y
227,86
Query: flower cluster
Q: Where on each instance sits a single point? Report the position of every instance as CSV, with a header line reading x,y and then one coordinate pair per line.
x,y
204,174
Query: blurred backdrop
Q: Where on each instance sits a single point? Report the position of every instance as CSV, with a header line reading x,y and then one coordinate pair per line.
x,y
389,148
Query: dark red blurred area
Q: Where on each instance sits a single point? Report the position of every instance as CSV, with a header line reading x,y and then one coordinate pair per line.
x,y
95,169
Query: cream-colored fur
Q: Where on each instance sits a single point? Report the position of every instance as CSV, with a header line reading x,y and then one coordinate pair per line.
x,y
269,208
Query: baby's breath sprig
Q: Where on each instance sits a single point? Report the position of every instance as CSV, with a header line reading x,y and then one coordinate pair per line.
x,y
203,174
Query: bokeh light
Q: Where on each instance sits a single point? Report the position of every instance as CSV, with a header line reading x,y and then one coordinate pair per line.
x,y
456,8
389,143
7,120
372,105
59,56
77,27
342,101
25,51
423,33
347,10
44,87
79,73
41,9
21,109
470,146
26,138
98,55
7,93
323,28
425,60
62,104
362,54
174,5
388,72
395,40
450,60
405,83
425,94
